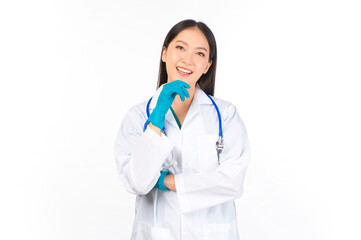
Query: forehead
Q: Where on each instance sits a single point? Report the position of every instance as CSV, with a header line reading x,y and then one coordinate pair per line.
x,y
193,37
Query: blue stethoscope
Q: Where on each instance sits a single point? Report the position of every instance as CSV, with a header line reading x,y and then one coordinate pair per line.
x,y
219,143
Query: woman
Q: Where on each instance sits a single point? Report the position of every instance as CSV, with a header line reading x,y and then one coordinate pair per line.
x,y
185,187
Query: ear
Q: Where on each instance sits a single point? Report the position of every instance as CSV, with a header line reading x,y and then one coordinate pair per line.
x,y
164,54
208,66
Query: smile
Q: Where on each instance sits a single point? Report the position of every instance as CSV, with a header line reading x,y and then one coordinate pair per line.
x,y
184,71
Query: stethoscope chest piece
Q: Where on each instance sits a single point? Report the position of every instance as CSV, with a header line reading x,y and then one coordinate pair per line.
x,y
219,147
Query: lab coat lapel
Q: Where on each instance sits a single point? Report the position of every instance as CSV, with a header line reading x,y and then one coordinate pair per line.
x,y
199,98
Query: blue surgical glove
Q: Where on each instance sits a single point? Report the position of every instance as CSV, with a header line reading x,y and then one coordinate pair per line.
x,y
165,100
160,182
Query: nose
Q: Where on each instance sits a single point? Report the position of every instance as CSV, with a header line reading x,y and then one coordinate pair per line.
x,y
188,58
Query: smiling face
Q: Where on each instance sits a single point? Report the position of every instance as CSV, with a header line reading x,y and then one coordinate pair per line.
x,y
187,56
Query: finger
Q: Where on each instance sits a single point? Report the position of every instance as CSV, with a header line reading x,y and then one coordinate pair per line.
x,y
181,94
182,83
187,85
181,97
185,92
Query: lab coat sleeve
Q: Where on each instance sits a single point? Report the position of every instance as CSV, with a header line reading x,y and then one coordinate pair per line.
x,y
200,190
139,155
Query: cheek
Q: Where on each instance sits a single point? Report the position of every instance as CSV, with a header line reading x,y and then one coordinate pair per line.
x,y
176,56
172,54
172,58
202,64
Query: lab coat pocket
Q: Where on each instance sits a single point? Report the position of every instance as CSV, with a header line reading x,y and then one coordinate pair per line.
x,y
220,231
146,232
207,153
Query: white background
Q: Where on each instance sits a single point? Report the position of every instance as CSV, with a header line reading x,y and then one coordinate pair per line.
x,y
71,69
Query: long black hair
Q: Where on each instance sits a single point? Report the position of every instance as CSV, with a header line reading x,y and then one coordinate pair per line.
x,y
206,81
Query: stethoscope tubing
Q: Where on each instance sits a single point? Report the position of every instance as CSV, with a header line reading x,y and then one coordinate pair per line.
x,y
219,117
220,134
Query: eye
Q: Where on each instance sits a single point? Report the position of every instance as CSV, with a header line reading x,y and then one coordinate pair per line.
x,y
201,54
180,47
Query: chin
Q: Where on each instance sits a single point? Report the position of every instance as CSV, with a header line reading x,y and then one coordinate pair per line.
x,y
191,82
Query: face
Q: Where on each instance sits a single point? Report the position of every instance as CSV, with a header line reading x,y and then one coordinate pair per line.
x,y
187,56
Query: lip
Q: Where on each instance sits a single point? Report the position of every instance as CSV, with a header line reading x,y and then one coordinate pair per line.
x,y
185,68
184,74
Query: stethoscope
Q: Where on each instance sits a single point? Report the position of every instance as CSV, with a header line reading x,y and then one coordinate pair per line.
x,y
219,143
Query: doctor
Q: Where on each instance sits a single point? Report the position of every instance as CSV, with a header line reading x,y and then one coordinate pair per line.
x,y
185,189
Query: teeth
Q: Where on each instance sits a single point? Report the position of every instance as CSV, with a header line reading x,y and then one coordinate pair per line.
x,y
183,70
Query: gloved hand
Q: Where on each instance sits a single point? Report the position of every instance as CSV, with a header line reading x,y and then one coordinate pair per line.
x,y
165,100
160,182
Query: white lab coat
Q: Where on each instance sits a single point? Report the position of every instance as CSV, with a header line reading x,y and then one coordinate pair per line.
x,y
203,206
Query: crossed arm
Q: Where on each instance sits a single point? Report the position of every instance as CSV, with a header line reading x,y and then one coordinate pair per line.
x,y
169,179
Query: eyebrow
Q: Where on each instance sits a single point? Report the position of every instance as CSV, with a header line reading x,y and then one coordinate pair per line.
x,y
187,45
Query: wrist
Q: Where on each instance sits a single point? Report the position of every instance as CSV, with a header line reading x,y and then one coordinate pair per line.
x,y
156,121
169,182
154,128
161,184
